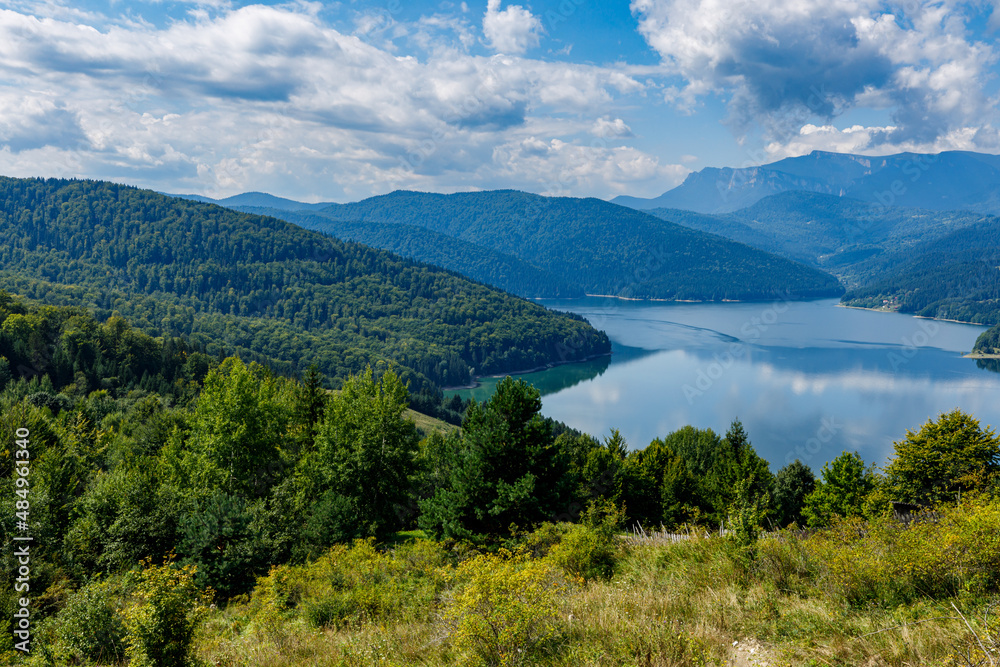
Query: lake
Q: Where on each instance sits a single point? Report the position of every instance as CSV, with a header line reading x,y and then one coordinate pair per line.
x,y
808,379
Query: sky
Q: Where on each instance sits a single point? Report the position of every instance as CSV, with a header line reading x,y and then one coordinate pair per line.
x,y
338,101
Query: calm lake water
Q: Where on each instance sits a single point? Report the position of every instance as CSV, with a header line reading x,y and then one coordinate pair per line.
x,y
808,379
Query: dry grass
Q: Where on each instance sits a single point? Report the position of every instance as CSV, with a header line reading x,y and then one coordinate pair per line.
x,y
427,424
674,604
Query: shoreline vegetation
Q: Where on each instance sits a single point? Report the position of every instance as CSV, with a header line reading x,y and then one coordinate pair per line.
x,y
919,317
553,364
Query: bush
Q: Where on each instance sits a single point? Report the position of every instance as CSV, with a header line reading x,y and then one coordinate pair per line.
x,y
591,550
162,620
91,625
356,584
505,613
956,551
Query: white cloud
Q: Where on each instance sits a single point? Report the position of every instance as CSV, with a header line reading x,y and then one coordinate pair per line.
x,y
780,65
513,30
607,128
273,98
876,140
559,168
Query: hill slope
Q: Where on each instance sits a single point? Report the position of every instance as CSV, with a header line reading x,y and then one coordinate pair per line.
x,y
951,180
260,286
482,264
954,277
829,232
604,248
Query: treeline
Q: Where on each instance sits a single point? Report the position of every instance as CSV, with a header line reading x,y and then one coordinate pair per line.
x,y
265,289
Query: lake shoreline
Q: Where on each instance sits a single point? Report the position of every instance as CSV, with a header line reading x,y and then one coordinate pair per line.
x,y
476,384
655,300
919,317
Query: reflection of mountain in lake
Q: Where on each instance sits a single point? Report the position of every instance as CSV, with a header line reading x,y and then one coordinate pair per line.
x,y
896,360
550,380
989,364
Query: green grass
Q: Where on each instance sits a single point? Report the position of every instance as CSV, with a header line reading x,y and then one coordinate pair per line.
x,y
688,603
427,424
900,596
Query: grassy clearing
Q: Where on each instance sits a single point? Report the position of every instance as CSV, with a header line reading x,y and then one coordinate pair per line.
x,y
427,424
893,596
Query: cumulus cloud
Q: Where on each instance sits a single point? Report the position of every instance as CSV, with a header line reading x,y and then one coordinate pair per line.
x,y
274,98
558,168
607,127
879,140
780,65
29,122
513,30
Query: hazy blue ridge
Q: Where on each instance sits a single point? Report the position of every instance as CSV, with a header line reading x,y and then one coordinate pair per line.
x,y
952,180
257,199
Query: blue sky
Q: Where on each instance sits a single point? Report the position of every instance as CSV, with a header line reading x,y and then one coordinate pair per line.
x,y
339,101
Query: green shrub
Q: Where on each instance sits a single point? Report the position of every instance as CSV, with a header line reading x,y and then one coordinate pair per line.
x,y
957,551
91,625
162,620
505,611
591,549
356,584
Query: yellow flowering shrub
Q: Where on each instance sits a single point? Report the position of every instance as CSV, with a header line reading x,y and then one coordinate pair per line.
x,y
505,609
956,551
354,584
161,622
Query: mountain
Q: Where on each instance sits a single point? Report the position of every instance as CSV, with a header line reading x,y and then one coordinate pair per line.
x,y
482,264
826,231
593,244
953,180
952,277
263,288
257,199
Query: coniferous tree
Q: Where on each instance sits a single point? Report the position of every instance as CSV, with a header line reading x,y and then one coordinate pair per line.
x,y
507,472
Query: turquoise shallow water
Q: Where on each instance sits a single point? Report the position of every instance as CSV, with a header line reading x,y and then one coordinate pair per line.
x,y
808,379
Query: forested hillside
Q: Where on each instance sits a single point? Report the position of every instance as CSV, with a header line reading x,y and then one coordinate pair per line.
x,y
954,277
482,264
266,289
826,231
603,248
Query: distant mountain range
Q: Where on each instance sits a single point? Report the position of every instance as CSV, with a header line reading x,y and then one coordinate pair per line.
x,y
953,180
257,199
826,231
908,232
538,246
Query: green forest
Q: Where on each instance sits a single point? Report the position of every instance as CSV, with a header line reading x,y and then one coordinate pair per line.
x,y
586,245
234,283
482,264
188,510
